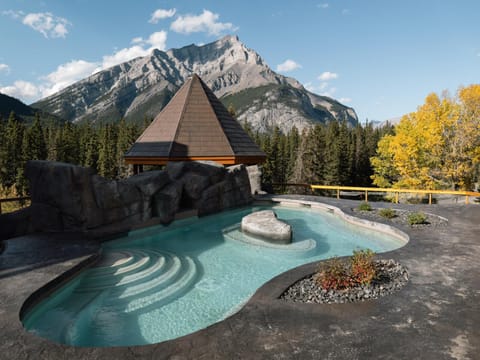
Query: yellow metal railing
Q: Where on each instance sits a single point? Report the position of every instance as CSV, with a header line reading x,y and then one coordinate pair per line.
x,y
396,192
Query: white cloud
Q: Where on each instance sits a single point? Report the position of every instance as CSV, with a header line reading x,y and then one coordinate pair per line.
x,y
66,74
21,89
16,15
309,86
345,100
322,86
288,65
47,24
123,55
158,40
4,68
142,47
323,5
327,75
75,70
345,11
329,92
205,22
161,14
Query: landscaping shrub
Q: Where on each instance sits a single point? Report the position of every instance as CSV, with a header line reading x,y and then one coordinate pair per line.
x,y
364,207
362,267
335,274
417,218
332,275
387,213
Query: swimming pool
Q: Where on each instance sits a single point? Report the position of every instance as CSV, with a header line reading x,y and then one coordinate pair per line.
x,y
161,283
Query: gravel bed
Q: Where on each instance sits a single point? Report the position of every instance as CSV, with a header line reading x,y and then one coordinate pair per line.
x,y
391,276
401,218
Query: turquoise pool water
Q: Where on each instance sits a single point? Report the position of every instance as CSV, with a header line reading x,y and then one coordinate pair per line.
x,y
161,283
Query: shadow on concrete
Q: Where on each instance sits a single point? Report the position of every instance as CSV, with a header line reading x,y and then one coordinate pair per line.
x,y
35,251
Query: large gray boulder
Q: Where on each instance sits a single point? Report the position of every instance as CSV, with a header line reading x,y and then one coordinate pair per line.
x,y
264,225
64,187
237,189
149,182
233,191
119,201
212,170
194,184
166,203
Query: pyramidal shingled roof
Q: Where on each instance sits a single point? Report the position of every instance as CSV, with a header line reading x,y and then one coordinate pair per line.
x,y
194,125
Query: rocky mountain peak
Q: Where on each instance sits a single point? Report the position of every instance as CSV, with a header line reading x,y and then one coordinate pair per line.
x,y
238,76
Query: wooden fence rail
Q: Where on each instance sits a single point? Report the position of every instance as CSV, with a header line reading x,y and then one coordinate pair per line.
x,y
14,199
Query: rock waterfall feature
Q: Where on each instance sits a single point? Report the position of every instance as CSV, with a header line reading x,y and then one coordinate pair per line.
x,y
66,197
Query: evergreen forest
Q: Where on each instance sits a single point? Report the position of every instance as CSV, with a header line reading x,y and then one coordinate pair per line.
x,y
435,147
325,154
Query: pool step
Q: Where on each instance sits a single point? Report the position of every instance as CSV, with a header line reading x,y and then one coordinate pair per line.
x,y
157,280
109,302
148,264
158,295
296,248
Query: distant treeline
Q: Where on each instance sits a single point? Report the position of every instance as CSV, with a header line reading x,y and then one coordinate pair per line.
x,y
326,154
332,154
98,146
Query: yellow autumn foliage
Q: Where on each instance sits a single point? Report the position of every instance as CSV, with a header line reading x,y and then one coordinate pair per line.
x,y
436,147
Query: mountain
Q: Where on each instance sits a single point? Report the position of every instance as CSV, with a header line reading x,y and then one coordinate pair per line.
x,y
238,76
21,110
9,104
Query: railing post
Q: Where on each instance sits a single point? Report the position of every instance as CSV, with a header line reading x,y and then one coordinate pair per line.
x,y
338,194
430,199
366,195
396,197
466,199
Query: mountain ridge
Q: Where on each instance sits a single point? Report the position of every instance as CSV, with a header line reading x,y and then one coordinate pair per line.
x,y
22,111
141,87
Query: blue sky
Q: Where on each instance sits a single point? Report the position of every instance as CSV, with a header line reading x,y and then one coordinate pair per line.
x,y
381,57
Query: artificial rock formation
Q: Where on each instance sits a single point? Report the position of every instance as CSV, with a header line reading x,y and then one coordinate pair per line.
x,y
264,225
66,197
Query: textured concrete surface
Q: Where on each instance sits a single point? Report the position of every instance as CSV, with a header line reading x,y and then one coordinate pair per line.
x,y
436,316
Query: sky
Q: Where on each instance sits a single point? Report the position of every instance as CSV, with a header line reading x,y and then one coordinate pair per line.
x,y
381,57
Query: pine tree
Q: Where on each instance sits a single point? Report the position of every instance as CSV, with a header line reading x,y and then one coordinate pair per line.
x,y
37,147
88,145
107,165
126,137
12,149
68,144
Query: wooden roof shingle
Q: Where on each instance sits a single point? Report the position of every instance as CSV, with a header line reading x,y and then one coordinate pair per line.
x,y
194,125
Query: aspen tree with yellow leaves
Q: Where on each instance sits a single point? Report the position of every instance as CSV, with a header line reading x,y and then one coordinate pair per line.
x,y
436,147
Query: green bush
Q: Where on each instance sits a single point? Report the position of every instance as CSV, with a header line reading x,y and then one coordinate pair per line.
x,y
364,206
417,218
387,213
334,274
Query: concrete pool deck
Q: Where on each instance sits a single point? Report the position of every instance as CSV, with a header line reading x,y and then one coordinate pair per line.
x,y
436,316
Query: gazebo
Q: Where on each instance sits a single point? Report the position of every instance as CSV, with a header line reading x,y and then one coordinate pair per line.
x,y
194,125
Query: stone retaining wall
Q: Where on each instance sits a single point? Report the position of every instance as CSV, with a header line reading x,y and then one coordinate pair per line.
x,y
66,197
